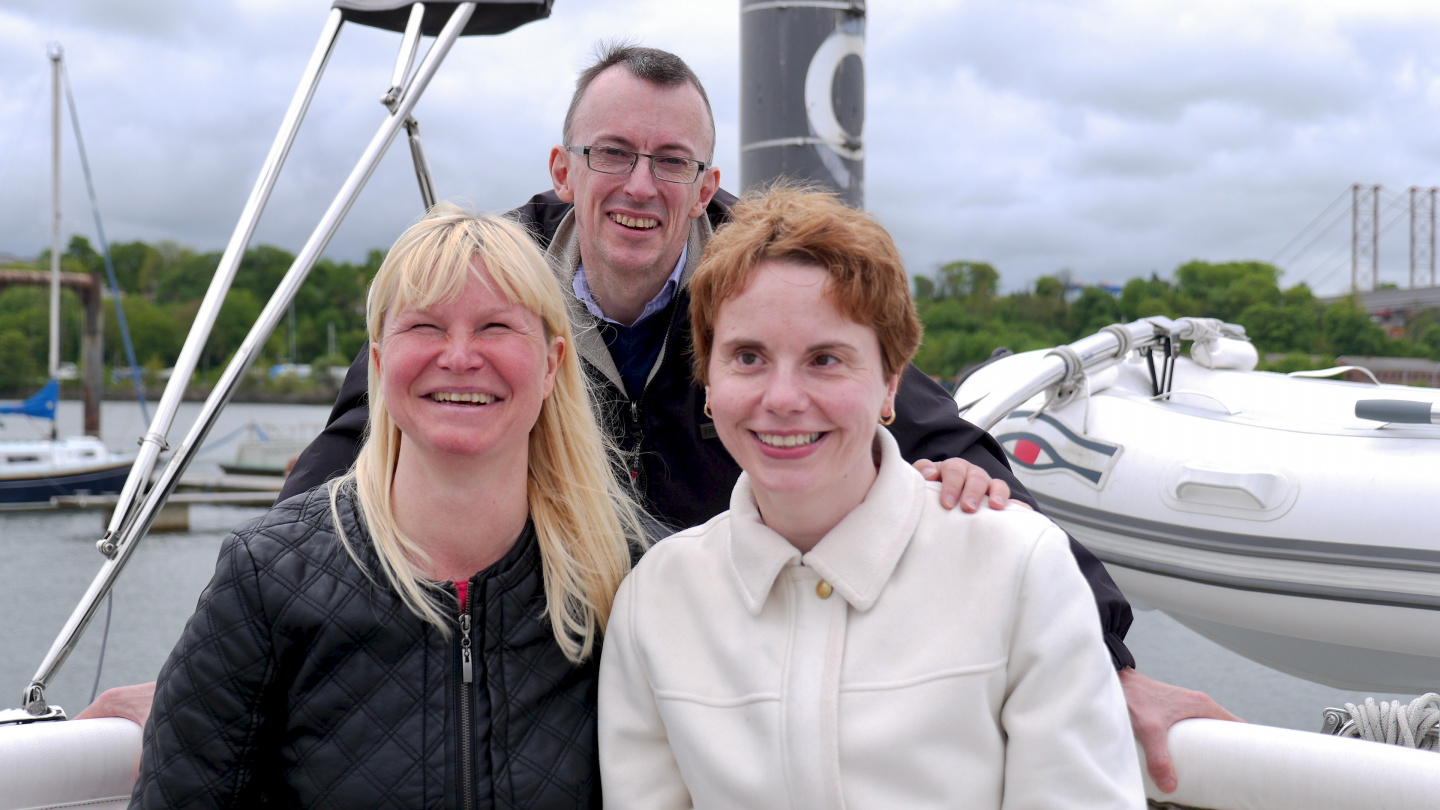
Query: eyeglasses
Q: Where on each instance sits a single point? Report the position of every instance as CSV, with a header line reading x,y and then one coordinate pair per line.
x,y
614,160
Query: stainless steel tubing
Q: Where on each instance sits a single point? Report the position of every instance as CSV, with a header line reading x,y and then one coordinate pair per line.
x,y
244,356
409,45
422,166
154,441
1092,350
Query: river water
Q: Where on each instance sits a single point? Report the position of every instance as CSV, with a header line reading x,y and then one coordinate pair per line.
x,y
47,560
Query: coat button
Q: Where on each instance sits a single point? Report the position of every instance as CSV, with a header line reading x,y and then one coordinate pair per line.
x,y
823,590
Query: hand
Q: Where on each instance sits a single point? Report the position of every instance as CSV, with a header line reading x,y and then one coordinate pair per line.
x,y
129,702
1154,708
964,483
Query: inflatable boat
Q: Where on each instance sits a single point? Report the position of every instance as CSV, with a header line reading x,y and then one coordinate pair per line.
x,y
1288,518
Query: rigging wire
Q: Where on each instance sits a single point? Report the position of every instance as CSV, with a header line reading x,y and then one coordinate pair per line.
x,y
1303,230
1327,267
105,250
1324,232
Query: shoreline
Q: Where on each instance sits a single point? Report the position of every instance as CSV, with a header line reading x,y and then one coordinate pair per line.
x,y
320,396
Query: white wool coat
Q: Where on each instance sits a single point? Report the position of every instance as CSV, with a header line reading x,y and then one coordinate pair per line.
x,y
956,662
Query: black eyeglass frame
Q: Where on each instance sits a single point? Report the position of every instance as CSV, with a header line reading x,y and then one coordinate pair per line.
x,y
635,158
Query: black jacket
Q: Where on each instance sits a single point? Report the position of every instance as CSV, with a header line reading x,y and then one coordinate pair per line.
x,y
681,471
300,682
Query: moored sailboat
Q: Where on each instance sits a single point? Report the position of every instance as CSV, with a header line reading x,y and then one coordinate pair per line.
x,y
34,471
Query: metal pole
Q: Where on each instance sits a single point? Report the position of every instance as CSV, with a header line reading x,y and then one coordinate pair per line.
x,y
244,356
1355,238
409,45
1413,235
802,80
1375,238
154,441
56,54
1432,235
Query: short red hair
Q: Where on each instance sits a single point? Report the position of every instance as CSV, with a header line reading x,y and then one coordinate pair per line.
x,y
869,284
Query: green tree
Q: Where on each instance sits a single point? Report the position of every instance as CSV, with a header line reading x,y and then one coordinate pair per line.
x,y
17,361
153,330
26,309
1347,329
1141,298
187,278
1430,340
1092,311
1224,290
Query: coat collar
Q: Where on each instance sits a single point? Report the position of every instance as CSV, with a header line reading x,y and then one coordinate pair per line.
x,y
564,256
857,557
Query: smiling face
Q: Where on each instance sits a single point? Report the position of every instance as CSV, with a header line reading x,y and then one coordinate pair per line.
x,y
796,388
633,227
466,378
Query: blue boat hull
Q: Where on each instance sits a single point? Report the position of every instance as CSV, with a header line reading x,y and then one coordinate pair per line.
x,y
38,490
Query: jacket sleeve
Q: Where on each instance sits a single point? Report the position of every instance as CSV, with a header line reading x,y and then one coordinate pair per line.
x,y
334,450
203,745
928,425
638,771
1068,738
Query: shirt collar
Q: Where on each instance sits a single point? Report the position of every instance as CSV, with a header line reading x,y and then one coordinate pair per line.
x,y
661,300
857,557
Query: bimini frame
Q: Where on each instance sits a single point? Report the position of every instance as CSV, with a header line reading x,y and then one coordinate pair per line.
x,y
140,500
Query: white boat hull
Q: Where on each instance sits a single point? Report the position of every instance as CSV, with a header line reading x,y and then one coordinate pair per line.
x,y
1254,508
69,763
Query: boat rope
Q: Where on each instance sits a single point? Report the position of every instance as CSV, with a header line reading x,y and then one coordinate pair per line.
x,y
104,640
1413,726
136,372
1206,329
1122,338
1070,386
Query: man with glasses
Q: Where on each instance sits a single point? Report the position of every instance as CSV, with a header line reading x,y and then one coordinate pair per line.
x,y
635,200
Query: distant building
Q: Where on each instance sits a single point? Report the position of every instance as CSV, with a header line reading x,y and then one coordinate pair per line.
x,y
1072,292
1397,370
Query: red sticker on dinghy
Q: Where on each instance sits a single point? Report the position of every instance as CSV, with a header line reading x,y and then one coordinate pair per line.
x,y
1025,451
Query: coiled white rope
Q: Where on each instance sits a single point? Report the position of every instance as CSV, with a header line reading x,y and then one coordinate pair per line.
x,y
1070,386
1413,726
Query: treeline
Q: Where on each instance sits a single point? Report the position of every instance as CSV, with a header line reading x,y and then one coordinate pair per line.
x,y
162,286
966,319
964,315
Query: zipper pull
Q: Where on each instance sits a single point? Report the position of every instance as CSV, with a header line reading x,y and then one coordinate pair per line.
x,y
467,670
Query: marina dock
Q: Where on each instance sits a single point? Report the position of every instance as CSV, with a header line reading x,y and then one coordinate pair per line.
x,y
214,489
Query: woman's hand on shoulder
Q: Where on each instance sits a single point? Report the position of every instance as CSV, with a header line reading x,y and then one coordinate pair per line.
x,y
966,484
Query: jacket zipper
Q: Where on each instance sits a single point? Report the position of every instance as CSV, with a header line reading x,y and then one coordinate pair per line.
x,y
467,677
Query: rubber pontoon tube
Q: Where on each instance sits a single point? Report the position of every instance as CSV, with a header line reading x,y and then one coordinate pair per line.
x,y
1221,764
244,356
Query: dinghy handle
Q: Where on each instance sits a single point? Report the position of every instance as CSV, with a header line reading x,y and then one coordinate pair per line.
x,y
1398,410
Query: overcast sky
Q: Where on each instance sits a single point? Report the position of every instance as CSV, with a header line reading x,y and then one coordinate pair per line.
x,y
1111,139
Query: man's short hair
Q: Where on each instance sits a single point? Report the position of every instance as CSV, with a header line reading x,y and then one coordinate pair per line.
x,y
651,64
868,282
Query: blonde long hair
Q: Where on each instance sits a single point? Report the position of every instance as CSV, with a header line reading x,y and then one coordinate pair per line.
x,y
584,520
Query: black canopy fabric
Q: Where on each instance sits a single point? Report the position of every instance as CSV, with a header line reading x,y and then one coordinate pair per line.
x,y
490,17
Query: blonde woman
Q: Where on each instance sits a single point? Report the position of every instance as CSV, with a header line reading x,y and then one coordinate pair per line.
x,y
421,632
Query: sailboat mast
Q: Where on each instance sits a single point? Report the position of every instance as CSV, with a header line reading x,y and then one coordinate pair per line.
x,y
56,54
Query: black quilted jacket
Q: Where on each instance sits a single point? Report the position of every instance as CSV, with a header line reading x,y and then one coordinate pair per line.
x,y
299,682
